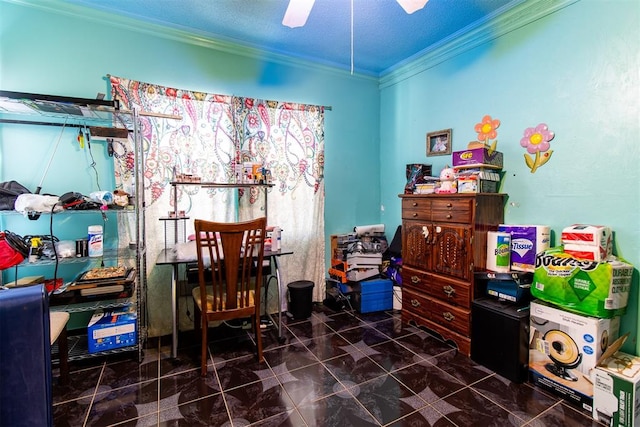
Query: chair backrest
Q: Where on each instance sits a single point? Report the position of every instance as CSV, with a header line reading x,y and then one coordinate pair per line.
x,y
233,251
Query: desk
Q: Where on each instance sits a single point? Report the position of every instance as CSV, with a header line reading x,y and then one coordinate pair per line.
x,y
167,257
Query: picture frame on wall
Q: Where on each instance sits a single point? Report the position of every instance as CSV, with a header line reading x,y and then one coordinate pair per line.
x,y
439,143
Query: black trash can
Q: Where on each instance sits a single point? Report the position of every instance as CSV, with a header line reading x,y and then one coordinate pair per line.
x,y
300,298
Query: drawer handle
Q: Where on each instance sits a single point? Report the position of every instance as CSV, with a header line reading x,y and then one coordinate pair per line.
x,y
415,279
448,316
449,216
449,205
415,303
449,291
415,204
414,215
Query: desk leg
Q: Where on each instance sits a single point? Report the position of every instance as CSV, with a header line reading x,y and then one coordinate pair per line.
x,y
174,312
280,294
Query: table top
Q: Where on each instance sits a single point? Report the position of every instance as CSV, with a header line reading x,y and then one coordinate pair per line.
x,y
167,257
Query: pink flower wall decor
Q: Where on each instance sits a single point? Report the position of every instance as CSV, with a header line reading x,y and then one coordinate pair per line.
x,y
487,129
536,141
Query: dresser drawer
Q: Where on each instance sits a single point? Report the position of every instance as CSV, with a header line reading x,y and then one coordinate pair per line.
x,y
450,291
416,209
415,302
415,278
452,210
456,318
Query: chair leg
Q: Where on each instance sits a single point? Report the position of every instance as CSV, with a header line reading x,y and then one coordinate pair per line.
x,y
256,326
63,354
204,347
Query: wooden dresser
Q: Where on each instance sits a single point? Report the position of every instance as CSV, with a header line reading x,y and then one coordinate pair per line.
x,y
444,239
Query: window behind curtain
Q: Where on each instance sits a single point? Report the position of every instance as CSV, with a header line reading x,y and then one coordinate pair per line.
x,y
215,132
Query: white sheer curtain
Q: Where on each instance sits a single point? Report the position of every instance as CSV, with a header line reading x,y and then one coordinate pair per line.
x,y
215,132
288,139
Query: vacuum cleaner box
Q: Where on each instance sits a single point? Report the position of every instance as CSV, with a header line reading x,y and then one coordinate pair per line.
x,y
616,391
593,288
111,329
563,349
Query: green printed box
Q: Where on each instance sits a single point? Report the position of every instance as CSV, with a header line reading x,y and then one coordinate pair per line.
x,y
599,289
616,391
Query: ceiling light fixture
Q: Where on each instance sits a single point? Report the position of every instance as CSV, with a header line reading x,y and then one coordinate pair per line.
x,y
297,13
411,6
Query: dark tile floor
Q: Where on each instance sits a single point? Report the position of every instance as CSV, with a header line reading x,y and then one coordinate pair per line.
x,y
334,369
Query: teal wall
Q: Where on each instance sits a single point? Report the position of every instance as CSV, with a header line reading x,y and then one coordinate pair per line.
x,y
576,70
68,51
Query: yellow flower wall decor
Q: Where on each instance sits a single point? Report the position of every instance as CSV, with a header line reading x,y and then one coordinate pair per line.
x,y
536,141
486,130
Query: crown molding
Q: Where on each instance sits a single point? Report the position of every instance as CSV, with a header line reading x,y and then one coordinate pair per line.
x,y
498,24
184,35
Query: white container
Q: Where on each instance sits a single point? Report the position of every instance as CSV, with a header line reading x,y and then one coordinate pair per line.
x,y
397,298
95,241
276,239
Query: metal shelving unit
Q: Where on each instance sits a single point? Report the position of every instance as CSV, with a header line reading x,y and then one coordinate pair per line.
x,y
18,108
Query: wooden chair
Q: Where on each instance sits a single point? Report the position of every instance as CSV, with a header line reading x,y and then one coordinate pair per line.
x,y
228,280
58,332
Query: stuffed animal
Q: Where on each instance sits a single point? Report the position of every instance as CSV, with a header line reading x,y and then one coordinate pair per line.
x,y
447,181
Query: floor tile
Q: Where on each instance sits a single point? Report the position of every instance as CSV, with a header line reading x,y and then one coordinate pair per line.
x,y
257,401
564,415
428,381
392,356
332,369
337,410
468,408
523,400
386,398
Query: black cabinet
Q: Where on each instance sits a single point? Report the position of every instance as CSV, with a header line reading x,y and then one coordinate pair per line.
x,y
500,337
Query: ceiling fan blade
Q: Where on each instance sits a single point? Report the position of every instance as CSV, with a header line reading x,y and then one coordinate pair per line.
x,y
297,13
411,6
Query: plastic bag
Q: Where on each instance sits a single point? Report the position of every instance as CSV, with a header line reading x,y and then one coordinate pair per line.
x,y
26,203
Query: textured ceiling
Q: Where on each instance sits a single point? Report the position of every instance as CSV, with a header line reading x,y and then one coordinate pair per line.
x,y
384,35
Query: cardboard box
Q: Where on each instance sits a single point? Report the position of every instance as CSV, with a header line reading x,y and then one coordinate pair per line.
x,y
564,347
526,242
478,181
477,157
112,329
599,289
616,390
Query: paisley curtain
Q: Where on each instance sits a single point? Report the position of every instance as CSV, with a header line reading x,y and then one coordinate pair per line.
x,y
214,133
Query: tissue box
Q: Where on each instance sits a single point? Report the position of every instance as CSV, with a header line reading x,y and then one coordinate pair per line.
x,y
564,347
616,391
111,329
526,242
599,289
477,157
593,242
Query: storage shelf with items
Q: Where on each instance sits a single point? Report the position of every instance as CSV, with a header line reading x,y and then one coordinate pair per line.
x,y
30,120
443,242
175,222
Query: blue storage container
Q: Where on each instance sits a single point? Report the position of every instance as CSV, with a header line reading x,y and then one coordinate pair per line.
x,y
373,295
